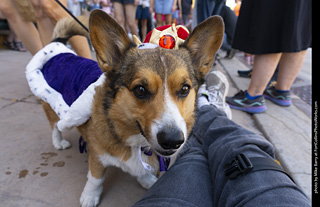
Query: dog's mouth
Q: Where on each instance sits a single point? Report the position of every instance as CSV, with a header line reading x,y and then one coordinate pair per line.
x,y
165,153
167,142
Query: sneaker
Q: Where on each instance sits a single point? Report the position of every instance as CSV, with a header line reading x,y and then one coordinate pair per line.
x,y
281,98
217,87
241,102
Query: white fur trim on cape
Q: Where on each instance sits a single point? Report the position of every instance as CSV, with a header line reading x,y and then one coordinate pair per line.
x,y
70,116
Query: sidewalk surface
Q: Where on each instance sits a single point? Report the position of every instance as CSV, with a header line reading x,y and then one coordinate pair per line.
x,y
33,173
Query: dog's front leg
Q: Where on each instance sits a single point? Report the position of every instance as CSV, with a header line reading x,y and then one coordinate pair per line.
x,y
92,191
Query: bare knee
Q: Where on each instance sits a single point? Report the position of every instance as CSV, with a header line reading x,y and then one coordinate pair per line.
x,y
9,10
48,9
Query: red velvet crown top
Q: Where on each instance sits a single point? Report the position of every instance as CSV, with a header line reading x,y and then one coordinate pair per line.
x,y
168,36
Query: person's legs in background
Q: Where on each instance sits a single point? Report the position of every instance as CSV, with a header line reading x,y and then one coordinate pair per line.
x,y
26,31
290,66
48,13
263,69
119,14
168,19
130,10
159,21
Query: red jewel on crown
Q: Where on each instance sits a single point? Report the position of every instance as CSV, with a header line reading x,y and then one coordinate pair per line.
x,y
167,42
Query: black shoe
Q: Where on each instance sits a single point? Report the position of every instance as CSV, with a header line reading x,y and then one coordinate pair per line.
x,y
245,73
279,98
241,102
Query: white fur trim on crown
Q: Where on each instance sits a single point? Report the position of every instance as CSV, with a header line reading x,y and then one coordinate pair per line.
x,y
76,114
147,46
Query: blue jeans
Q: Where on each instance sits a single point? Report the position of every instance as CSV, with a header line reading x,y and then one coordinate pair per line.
x,y
197,178
207,8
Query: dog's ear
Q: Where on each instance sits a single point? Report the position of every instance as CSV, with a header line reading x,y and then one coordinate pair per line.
x,y
108,38
203,43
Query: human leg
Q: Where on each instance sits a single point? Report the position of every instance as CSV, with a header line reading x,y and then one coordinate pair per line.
x,y
290,65
168,19
17,42
144,28
186,183
263,69
118,12
159,21
48,13
31,40
9,41
130,10
44,22
81,46
222,140
252,100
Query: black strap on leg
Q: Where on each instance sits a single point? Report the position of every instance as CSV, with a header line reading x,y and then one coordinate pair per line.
x,y
241,164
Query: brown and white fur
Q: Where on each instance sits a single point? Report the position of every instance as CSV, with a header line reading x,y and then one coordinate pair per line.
x,y
147,99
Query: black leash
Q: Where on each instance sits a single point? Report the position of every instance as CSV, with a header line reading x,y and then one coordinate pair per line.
x,y
75,18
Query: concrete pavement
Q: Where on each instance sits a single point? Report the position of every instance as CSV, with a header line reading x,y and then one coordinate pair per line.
x,y
33,173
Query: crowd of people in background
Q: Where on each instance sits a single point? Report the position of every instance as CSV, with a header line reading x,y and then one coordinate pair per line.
x,y
138,17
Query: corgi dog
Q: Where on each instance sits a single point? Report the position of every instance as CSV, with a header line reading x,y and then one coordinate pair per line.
x,y
145,100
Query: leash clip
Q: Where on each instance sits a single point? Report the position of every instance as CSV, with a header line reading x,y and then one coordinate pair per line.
x,y
239,165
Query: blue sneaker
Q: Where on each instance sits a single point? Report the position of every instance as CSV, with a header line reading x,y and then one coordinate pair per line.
x,y
240,101
281,98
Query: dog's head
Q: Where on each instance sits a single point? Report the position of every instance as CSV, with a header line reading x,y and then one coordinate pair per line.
x,y
153,91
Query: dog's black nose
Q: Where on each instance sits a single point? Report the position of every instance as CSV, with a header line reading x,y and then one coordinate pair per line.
x,y
170,138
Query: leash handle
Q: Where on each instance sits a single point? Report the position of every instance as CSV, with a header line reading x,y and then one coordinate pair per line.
x,y
74,17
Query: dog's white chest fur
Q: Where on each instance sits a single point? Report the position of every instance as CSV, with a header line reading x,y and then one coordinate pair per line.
x,y
134,165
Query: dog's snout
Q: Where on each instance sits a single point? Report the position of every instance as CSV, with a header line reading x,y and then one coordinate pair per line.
x,y
170,138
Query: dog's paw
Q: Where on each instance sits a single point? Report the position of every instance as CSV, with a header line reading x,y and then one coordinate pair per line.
x,y
91,193
89,200
61,144
58,142
147,180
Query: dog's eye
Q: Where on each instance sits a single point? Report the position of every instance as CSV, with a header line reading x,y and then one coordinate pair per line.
x,y
184,91
141,92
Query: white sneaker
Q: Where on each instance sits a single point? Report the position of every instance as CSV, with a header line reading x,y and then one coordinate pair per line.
x,y
216,90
